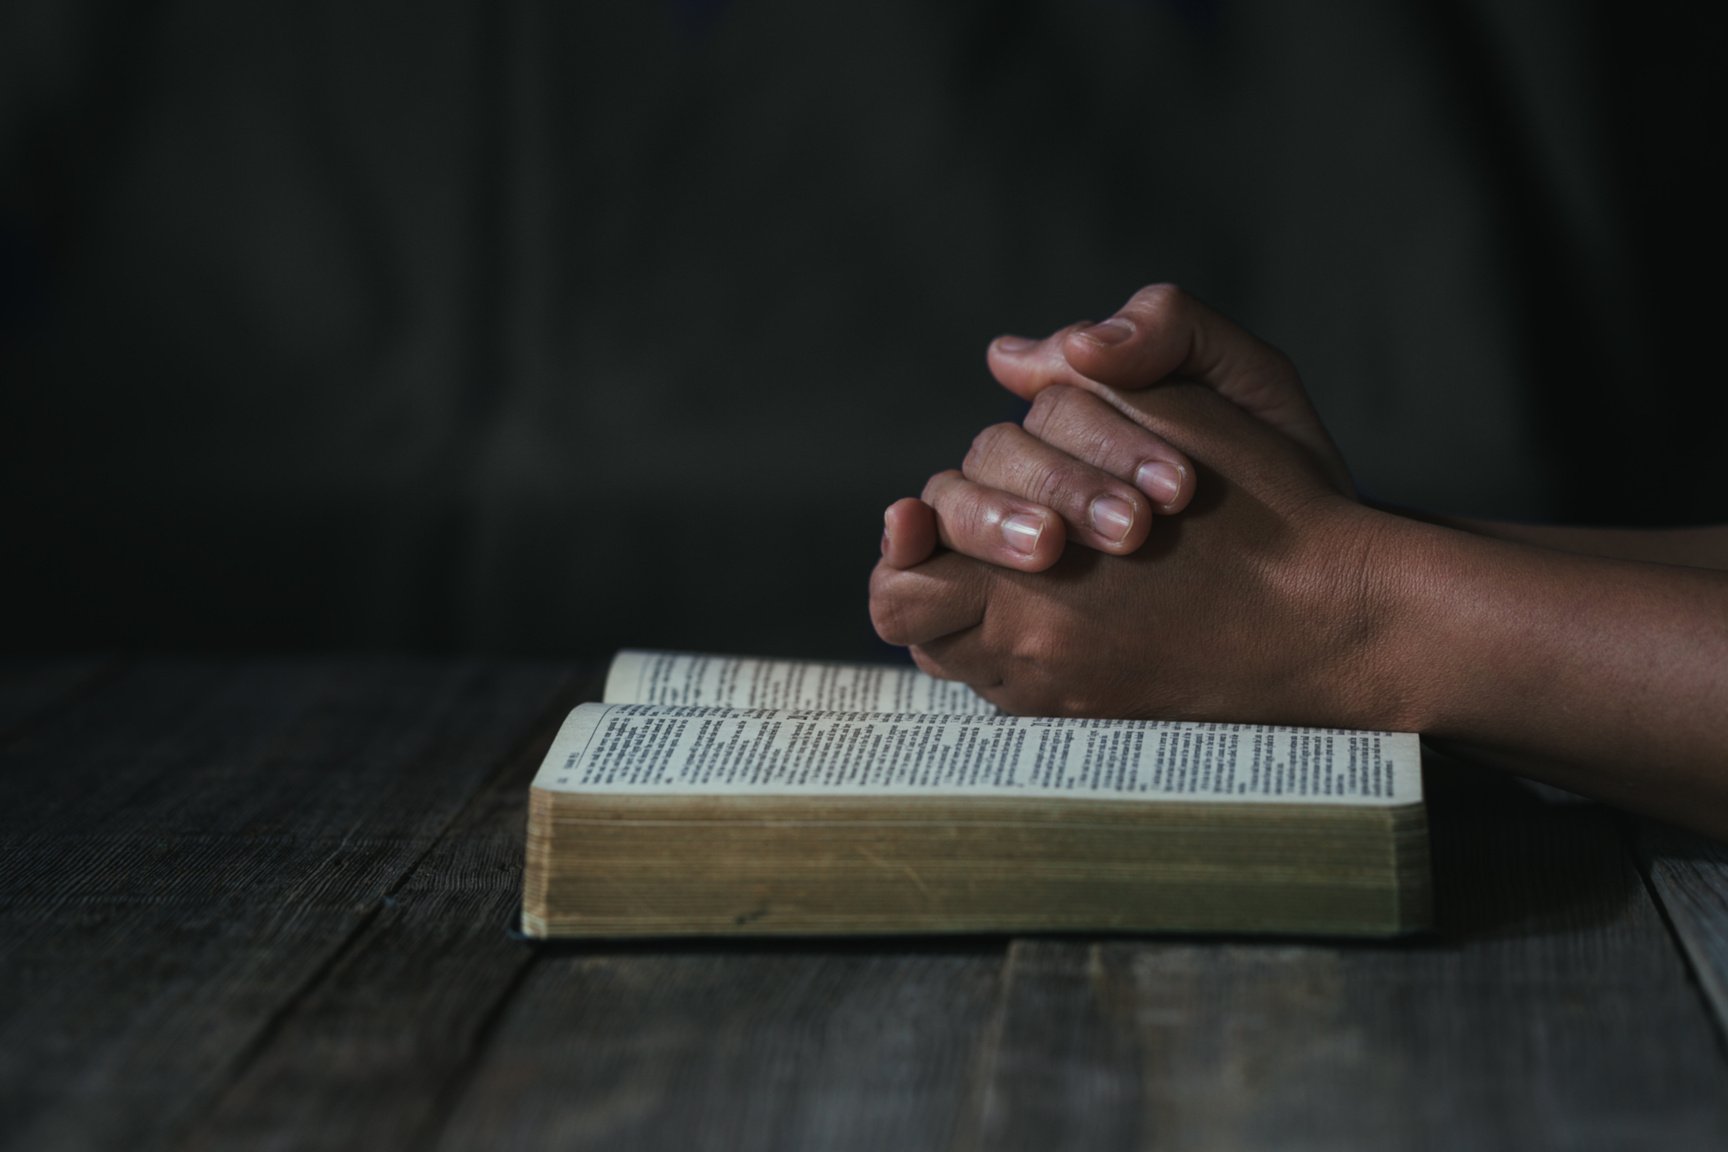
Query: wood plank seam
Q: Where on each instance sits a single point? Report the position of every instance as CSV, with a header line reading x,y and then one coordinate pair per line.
x,y
1690,957
273,1024
456,1087
537,731
970,1135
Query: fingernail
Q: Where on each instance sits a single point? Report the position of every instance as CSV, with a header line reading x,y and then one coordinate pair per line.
x,y
1112,516
1112,331
1021,531
884,541
1013,345
1160,480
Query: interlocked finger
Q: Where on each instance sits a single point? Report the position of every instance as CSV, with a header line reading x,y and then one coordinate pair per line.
x,y
1098,509
994,526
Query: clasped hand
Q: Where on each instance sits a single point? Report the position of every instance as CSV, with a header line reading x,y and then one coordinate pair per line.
x,y
1222,567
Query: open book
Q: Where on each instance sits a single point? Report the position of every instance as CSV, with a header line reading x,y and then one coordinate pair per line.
x,y
717,794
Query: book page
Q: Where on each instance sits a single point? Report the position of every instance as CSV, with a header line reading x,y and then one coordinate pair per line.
x,y
687,750
642,677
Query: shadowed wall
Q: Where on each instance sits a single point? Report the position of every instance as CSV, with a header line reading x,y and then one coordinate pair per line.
x,y
549,328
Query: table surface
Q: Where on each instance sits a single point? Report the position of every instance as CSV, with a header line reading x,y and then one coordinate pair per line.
x,y
268,904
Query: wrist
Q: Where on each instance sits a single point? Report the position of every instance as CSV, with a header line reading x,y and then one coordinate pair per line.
x,y
1375,677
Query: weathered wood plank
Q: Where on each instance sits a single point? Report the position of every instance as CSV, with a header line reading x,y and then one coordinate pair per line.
x,y
369,1056
1690,875
1552,1010
264,906
187,849
778,1046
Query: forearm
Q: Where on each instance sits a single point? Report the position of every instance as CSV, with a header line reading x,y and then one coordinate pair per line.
x,y
1599,655
1704,547
1611,675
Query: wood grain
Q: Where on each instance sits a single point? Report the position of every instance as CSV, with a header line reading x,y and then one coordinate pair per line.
x,y
264,905
1550,1011
1690,875
369,1055
805,1048
188,849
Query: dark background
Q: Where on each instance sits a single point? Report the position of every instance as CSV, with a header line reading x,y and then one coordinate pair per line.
x,y
547,328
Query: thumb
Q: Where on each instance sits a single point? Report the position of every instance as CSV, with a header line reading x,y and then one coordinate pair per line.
x,y
1163,333
1027,367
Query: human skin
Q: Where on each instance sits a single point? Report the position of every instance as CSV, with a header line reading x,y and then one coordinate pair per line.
x,y
1276,596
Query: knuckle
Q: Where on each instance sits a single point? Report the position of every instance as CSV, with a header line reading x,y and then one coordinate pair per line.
x,y
1123,447
925,664
965,510
1162,297
1038,650
986,448
1092,424
1047,408
937,484
1039,476
1050,484
1093,432
1105,446
881,577
887,613
1161,306
1031,697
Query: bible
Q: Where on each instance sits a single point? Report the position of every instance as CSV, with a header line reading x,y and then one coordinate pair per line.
x,y
725,795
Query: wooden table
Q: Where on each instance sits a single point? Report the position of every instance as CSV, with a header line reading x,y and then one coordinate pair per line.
x,y
261,905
